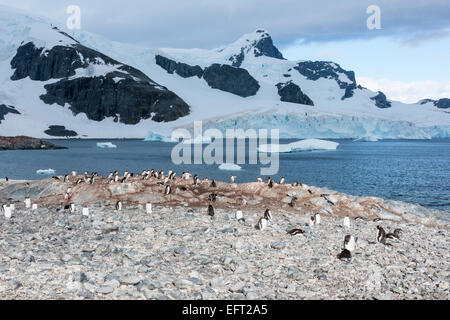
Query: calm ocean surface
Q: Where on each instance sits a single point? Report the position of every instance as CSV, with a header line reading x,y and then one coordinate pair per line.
x,y
408,170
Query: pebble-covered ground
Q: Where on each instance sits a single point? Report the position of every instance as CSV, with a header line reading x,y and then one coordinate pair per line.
x,y
182,253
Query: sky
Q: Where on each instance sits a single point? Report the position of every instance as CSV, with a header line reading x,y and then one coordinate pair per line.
x,y
408,58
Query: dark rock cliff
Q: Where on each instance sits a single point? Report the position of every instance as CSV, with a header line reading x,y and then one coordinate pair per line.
x,y
314,70
126,94
290,92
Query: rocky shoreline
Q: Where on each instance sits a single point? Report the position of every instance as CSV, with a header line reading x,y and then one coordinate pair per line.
x,y
26,143
179,252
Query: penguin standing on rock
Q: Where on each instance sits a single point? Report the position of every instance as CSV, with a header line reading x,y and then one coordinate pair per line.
x,y
119,205
6,179
168,190
262,224
381,236
211,210
270,184
232,179
282,180
259,180
212,197
349,247
295,184
293,202
395,234
213,184
268,215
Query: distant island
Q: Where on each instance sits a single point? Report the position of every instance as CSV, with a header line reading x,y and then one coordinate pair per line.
x,y
26,143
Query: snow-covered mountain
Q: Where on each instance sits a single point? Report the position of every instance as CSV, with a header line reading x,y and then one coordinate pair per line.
x,y
56,83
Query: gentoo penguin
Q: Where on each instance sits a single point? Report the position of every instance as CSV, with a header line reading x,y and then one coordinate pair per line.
x,y
213,184
212,197
349,243
312,221
119,205
293,202
239,215
349,247
295,184
316,219
74,173
270,183
377,219
262,224
167,190
6,179
259,180
172,176
282,180
345,254
66,196
166,180
7,211
206,179
27,203
211,210
381,235
66,178
294,232
195,180
232,179
268,215
346,222
56,178
395,234
85,212
148,208
268,179
72,207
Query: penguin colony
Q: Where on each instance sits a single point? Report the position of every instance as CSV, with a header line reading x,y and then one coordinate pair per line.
x,y
349,244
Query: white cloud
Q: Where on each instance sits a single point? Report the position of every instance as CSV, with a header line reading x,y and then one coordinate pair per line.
x,y
408,92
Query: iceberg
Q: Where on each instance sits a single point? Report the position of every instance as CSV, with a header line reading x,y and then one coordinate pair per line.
x,y
229,167
298,146
198,140
157,137
45,172
106,145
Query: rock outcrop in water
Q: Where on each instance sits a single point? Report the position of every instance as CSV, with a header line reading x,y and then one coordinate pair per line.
x,y
26,143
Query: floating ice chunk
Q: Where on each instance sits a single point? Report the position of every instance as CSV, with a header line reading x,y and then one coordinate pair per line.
x,y
106,145
229,166
366,139
198,140
303,145
46,171
157,137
